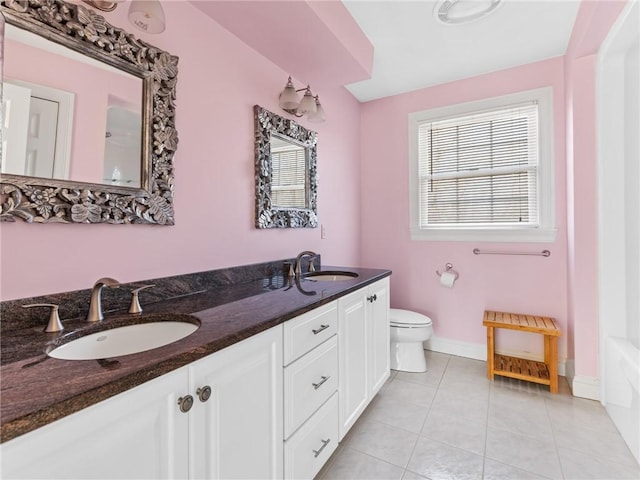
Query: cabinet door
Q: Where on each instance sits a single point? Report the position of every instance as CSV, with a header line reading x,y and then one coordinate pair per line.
x,y
238,431
353,358
136,434
379,341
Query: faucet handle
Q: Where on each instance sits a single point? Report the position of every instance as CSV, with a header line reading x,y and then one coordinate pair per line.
x,y
291,272
135,301
54,325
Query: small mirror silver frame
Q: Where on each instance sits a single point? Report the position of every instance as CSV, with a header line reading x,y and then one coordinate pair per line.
x,y
268,215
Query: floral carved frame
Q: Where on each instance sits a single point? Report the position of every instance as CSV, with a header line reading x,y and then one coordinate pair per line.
x,y
268,216
43,200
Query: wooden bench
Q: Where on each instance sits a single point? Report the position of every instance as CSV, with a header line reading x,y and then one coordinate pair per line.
x,y
545,372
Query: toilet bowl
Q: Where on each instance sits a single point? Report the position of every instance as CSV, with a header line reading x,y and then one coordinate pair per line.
x,y
408,331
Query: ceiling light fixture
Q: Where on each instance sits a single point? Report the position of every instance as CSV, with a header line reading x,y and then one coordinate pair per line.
x,y
146,15
456,12
309,105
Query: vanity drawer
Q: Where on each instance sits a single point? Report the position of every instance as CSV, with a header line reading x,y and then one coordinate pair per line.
x,y
310,447
309,330
308,383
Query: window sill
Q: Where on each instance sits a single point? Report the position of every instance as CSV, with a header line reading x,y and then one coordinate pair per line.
x,y
529,235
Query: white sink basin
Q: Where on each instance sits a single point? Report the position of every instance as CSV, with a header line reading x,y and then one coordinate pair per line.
x,y
123,340
331,276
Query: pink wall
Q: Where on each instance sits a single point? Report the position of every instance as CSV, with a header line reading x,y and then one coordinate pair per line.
x,y
583,221
92,92
593,22
509,283
219,81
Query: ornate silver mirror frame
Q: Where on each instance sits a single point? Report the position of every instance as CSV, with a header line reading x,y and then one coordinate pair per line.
x,y
45,200
268,215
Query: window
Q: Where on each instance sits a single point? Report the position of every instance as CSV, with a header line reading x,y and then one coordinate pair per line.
x,y
483,170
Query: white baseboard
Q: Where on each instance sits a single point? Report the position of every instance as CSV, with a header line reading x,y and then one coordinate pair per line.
x,y
586,387
478,351
456,347
581,385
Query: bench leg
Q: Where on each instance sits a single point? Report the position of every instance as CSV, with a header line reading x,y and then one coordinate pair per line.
x,y
490,352
551,359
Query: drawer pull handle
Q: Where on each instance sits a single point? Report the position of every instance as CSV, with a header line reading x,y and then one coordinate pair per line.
x,y
319,384
318,330
319,451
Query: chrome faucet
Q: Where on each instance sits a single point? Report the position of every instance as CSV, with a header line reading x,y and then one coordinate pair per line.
x,y
306,253
95,305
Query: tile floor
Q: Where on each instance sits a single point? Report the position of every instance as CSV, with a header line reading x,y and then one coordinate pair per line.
x,y
453,423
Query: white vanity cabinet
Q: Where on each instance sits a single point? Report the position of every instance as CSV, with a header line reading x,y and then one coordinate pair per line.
x,y
363,345
234,433
272,406
237,432
136,434
310,391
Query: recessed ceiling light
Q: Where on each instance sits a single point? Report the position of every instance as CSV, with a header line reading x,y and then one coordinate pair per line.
x,y
456,12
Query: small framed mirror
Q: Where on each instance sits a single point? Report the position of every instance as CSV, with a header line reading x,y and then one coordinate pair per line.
x,y
286,172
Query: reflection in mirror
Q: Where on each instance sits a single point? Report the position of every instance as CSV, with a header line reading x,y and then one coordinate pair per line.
x,y
286,179
46,132
289,180
122,143
36,130
111,150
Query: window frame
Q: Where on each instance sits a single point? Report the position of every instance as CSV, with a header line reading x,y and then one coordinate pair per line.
x,y
545,231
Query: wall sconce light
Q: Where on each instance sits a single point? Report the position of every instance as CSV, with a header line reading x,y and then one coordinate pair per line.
x,y
146,15
309,105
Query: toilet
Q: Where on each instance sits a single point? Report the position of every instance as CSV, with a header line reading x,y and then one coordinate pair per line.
x,y
408,331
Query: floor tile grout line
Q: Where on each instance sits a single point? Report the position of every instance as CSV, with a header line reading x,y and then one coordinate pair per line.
x,y
378,458
425,418
553,436
486,430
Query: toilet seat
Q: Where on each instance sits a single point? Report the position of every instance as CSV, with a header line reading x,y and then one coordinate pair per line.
x,y
407,319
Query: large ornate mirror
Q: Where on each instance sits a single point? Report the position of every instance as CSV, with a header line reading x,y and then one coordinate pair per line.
x,y
107,153
286,176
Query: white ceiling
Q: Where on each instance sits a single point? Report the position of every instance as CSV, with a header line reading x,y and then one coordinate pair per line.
x,y
413,50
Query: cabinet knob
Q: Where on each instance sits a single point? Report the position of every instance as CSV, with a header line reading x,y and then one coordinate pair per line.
x,y
319,451
204,393
185,403
372,298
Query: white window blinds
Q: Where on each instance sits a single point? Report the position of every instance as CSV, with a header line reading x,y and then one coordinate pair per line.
x,y
480,169
288,180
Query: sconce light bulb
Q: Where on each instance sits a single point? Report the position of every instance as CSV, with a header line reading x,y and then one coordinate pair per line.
x,y
308,103
318,116
289,97
147,15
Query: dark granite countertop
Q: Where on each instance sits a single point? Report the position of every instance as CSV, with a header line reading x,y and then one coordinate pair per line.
x,y
36,389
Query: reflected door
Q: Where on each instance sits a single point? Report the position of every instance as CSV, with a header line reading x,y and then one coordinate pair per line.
x,y
29,133
41,139
15,106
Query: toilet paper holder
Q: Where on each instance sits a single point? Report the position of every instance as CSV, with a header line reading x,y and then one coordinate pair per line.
x,y
448,268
